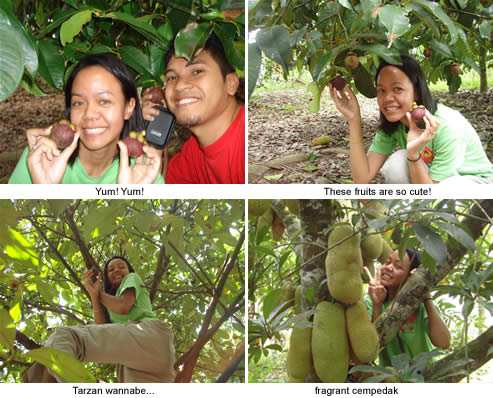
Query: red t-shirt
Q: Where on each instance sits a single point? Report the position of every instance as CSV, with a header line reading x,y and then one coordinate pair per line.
x,y
222,162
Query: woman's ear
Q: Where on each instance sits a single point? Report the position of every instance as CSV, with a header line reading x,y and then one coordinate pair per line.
x,y
129,108
232,83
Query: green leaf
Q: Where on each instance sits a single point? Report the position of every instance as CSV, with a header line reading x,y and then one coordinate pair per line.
x,y
274,42
136,59
432,242
273,177
11,61
395,20
51,64
7,330
364,82
437,10
234,50
73,26
191,38
8,214
390,55
310,167
254,62
57,206
46,290
426,17
141,26
270,302
231,5
27,43
459,235
441,48
63,364
166,31
156,58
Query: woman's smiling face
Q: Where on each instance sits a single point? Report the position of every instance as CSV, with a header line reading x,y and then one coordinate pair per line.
x,y
395,94
99,108
117,270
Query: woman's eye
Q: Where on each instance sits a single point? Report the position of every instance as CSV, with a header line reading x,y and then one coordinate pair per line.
x,y
197,71
104,102
170,78
77,103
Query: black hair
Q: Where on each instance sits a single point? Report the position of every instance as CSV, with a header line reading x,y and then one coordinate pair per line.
x,y
216,49
414,72
127,82
414,258
108,288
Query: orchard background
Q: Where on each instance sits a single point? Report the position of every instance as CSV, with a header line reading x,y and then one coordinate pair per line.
x,y
296,47
455,238
42,41
189,254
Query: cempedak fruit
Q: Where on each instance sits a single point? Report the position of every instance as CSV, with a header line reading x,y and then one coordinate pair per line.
x,y
330,348
293,206
371,247
63,133
157,95
351,60
385,253
339,83
363,336
287,295
257,207
300,361
343,265
135,143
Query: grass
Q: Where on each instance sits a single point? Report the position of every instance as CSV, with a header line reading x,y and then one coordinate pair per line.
x,y
296,81
270,369
470,80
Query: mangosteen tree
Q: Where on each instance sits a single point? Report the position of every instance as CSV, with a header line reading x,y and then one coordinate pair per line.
x,y
346,38
45,39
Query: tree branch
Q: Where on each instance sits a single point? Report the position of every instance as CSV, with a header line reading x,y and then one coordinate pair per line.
x,y
479,350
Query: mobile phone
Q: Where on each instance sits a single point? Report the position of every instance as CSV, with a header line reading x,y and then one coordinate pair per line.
x,y
158,131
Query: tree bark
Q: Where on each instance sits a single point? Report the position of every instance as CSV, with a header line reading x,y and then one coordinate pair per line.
x,y
483,76
412,293
316,217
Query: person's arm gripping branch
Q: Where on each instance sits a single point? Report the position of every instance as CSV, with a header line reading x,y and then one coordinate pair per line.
x,y
439,333
94,289
363,166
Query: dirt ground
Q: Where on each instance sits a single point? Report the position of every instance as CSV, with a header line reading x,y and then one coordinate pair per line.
x,y
23,110
281,130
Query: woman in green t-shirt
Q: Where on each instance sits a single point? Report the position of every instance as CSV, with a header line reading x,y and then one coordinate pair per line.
x,y
424,329
102,101
446,149
126,331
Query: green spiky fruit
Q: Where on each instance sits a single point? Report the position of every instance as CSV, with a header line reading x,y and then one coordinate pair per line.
x,y
300,353
363,336
330,348
257,207
343,265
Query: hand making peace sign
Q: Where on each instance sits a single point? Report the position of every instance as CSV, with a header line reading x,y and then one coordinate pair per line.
x,y
376,290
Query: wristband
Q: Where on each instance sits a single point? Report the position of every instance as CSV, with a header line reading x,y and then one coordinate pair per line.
x,y
414,160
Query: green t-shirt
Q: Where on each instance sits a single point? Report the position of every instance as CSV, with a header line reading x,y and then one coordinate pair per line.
x,y
74,173
455,150
142,309
413,338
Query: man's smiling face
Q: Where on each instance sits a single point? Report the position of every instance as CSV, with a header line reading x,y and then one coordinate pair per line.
x,y
196,91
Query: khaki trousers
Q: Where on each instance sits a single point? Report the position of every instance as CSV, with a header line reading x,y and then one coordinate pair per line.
x,y
143,351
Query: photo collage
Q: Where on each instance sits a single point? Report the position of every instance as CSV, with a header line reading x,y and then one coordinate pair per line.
x,y
368,124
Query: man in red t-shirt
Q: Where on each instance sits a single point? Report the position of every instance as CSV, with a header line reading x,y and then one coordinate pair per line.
x,y
202,94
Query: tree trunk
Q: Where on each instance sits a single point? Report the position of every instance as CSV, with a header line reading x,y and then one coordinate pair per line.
x,y
483,77
316,217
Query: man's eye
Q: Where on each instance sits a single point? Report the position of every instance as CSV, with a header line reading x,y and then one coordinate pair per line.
x,y
197,71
